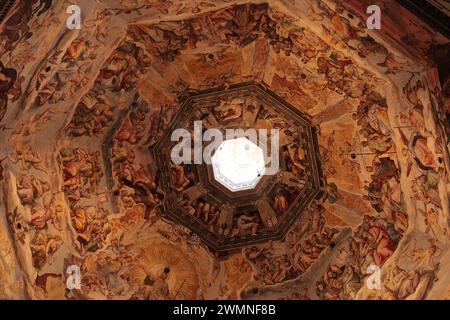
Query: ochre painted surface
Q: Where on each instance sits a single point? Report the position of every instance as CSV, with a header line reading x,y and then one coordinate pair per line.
x,y
69,99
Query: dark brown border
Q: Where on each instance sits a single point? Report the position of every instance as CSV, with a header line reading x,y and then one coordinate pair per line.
x,y
430,14
5,6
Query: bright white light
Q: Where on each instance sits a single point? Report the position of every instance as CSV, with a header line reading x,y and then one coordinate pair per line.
x,y
238,164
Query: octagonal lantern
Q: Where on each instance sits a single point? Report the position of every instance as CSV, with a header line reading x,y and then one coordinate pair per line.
x,y
238,164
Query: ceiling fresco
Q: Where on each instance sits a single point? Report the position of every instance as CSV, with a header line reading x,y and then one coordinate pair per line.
x,y
85,177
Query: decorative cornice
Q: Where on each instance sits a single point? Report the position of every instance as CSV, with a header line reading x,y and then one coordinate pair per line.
x,y
435,17
5,6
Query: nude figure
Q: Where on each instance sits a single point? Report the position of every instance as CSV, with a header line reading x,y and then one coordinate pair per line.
x,y
28,157
181,181
245,223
